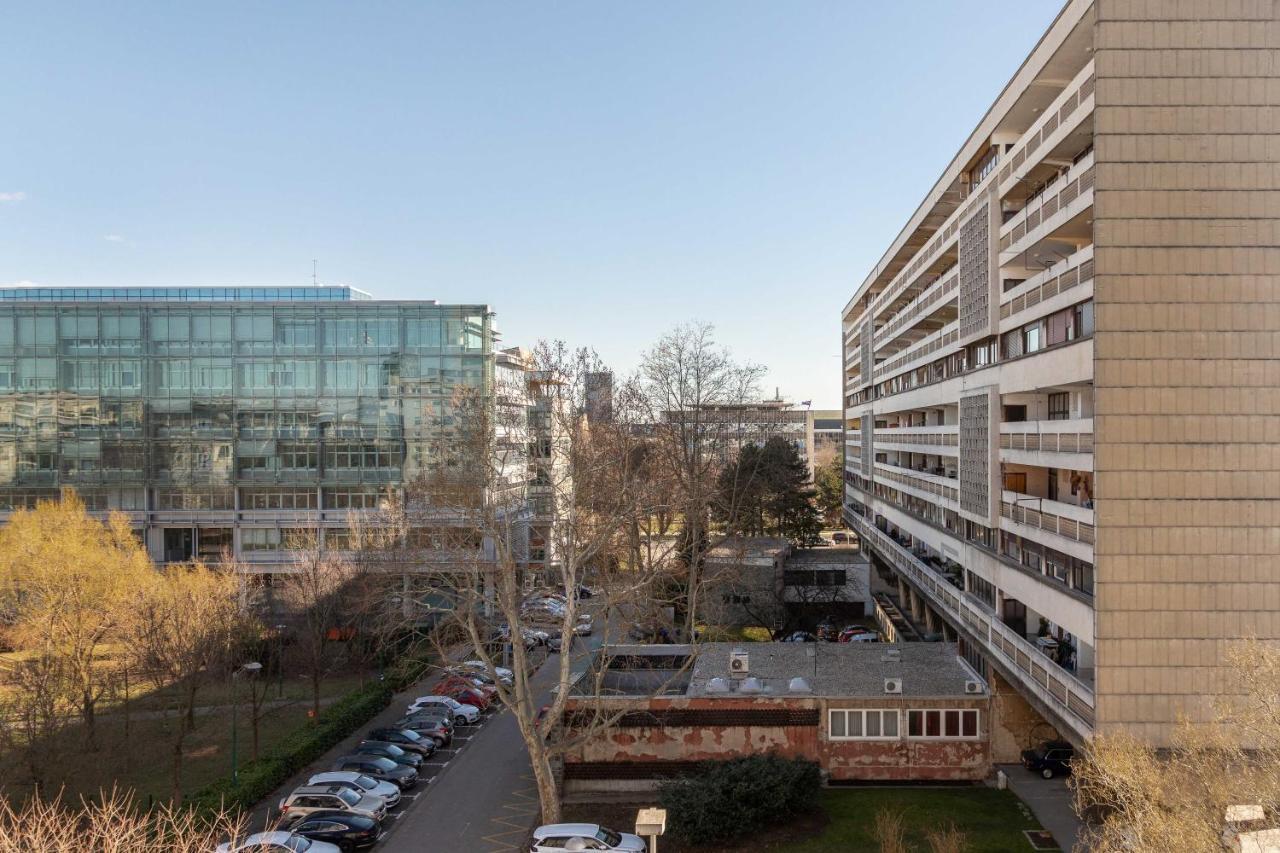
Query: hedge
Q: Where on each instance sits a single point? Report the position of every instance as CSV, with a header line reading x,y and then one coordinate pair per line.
x,y
305,744
726,799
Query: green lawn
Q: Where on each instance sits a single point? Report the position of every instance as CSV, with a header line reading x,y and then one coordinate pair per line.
x,y
991,820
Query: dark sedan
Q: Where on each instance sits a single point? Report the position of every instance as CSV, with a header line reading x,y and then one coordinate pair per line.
x,y
382,769
1051,758
432,727
347,831
406,739
391,751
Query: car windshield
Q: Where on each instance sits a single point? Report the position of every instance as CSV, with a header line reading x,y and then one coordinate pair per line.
x,y
384,763
349,796
367,782
392,749
298,842
608,836
409,734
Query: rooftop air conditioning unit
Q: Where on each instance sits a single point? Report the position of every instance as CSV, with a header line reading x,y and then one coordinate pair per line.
x,y
738,663
973,686
893,685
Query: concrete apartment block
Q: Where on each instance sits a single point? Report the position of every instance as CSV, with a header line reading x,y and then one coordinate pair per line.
x,y
1099,261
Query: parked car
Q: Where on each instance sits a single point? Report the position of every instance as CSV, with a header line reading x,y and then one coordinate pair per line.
x,y
584,591
462,713
389,750
344,830
410,742
431,727
858,634
279,841
479,666
310,798
406,739
430,713
584,836
1051,758
369,785
840,537
464,693
382,769
827,631
582,629
800,637
479,676
471,681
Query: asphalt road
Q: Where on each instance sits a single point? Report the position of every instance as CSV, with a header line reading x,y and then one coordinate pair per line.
x,y
481,798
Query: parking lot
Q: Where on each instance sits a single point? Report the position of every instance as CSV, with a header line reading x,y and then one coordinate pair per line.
x,y
477,794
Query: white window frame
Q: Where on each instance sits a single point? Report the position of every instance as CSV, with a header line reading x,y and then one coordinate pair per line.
x,y
862,713
942,724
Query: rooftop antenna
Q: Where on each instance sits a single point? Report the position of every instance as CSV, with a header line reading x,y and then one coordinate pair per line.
x,y
314,281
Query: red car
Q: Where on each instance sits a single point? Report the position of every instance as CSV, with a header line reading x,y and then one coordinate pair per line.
x,y
486,690
467,695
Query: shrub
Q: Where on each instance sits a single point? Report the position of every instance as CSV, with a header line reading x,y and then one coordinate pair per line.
x,y
297,750
725,799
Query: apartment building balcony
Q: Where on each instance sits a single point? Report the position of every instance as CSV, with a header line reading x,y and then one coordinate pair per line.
x,y
942,439
924,484
1068,115
933,308
918,353
1048,444
1062,211
1068,700
1060,525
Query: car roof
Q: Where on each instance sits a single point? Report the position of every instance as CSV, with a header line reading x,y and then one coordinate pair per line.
x,y
587,829
335,776
321,788
277,837
335,814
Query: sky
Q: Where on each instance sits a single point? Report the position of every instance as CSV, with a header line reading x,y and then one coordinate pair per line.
x,y
597,172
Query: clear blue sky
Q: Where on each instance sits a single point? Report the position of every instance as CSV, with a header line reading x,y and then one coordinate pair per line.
x,y
596,171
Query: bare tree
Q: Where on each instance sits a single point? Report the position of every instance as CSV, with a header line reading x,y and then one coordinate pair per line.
x,y
181,634
1176,799
690,390
313,590
32,710
114,823
465,525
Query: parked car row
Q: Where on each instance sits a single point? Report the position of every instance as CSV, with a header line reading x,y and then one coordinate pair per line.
x,y
584,836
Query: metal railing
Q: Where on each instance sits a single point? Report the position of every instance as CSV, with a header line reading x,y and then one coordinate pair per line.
x,y
1032,669
1057,196
1080,531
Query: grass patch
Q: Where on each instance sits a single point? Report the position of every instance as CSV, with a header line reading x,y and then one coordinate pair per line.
x,y
991,820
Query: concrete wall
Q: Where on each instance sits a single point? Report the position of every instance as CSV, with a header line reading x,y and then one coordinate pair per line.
x,y
1187,416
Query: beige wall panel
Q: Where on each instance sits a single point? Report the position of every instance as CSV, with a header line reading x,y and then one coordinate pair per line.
x,y
1187,350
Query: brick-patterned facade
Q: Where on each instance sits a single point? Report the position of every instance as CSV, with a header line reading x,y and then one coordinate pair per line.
x,y
1187,236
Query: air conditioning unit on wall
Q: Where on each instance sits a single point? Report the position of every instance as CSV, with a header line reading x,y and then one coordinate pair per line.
x,y
973,687
738,663
893,685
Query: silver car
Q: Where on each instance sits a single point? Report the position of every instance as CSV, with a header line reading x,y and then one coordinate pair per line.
x,y
359,782
314,798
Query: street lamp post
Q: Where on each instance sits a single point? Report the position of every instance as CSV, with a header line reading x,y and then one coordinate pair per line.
x,y
252,668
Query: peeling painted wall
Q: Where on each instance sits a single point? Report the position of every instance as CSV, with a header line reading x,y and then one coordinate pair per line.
x,y
628,748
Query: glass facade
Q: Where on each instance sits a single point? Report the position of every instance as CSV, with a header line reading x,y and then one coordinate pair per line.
x,y
200,415
317,293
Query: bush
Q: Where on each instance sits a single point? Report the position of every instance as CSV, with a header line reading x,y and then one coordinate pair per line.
x,y
725,799
301,747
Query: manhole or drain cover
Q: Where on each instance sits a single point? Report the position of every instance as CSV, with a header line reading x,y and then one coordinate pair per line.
x,y
1041,839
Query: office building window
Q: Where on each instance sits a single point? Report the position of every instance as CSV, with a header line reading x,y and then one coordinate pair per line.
x,y
942,724
862,724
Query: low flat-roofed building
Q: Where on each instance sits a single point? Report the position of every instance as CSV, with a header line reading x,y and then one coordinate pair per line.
x,y
863,712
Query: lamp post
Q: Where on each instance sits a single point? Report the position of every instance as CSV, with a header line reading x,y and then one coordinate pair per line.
x,y
252,668
280,661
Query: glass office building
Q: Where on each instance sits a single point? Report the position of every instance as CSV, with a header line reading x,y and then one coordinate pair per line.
x,y
230,424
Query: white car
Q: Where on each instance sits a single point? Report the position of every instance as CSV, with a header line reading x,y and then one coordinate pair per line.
x,y
584,836
582,629
367,784
277,842
500,671
461,712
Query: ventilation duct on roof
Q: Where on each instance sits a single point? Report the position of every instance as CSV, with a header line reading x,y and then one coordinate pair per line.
x,y
718,685
798,685
751,684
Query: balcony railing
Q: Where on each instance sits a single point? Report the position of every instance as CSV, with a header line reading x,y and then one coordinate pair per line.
x,y
918,308
1059,278
1073,436
931,436
1050,522
919,480
1055,116
944,337
1057,196
1034,672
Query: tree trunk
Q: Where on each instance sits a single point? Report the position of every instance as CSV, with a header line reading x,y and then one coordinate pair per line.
x,y
177,763
315,691
87,713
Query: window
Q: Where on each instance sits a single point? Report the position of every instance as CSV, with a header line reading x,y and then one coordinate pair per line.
x,y
1032,339
863,724
942,723
1059,406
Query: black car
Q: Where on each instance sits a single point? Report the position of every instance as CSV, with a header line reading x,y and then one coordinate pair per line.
x,y
382,769
1051,758
391,751
348,831
406,739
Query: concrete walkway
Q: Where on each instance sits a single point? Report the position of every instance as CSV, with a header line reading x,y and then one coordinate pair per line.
x,y
1049,800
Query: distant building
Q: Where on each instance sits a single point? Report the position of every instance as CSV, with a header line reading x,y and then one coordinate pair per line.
x,y
828,435
863,711
599,396
726,429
